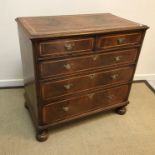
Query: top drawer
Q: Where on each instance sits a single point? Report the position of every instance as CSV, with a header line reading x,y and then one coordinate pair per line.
x,y
65,46
118,40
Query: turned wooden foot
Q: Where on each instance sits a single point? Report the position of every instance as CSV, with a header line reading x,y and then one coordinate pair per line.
x,y
121,110
42,136
26,106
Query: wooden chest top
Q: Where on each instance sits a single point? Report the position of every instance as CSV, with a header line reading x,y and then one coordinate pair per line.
x,y
67,25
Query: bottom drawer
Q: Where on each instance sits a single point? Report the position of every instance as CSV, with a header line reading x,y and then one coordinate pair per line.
x,y
80,105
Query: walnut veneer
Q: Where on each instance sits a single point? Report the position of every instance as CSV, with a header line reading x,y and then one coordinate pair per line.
x,y
77,65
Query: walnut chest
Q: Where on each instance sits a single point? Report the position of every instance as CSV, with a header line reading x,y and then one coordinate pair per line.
x,y
77,65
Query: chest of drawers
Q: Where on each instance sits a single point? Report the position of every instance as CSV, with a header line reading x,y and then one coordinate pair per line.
x,y
77,65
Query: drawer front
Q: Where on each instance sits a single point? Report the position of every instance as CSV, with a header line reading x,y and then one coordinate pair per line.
x,y
68,66
81,83
76,106
118,40
65,46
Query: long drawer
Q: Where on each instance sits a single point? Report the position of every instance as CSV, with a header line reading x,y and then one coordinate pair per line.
x,y
76,106
73,65
68,86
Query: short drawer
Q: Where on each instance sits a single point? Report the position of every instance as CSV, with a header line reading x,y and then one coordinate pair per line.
x,y
69,86
118,40
65,46
80,105
84,63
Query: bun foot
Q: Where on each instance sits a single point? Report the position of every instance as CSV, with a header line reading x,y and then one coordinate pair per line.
x,y
121,110
42,136
26,106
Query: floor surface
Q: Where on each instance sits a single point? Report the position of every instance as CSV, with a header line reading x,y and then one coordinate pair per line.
x,y
104,134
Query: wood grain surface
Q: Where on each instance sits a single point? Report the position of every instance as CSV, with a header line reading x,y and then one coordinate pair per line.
x,y
49,26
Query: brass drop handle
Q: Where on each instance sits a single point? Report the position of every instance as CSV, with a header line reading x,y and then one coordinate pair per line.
x,y
65,108
121,40
91,76
90,96
68,86
117,58
115,76
94,57
69,46
110,97
67,66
